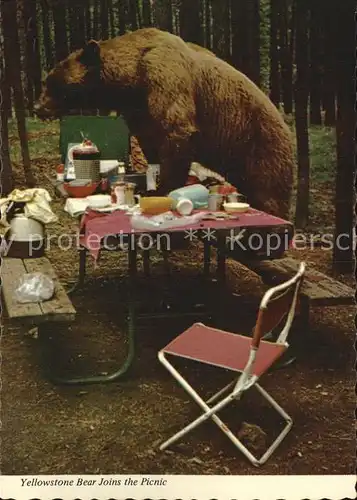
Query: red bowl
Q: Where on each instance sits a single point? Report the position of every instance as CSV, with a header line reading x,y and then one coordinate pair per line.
x,y
80,191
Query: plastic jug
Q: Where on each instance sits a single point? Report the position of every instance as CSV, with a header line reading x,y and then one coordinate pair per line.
x,y
196,193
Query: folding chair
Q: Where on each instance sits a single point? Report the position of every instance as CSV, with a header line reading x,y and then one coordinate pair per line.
x,y
251,357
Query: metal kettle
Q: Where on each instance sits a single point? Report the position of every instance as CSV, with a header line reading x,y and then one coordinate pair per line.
x,y
23,228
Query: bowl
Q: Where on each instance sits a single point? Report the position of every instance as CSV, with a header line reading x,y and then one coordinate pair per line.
x,y
99,200
80,191
235,207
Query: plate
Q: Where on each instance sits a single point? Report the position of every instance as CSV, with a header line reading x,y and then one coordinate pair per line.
x,y
99,201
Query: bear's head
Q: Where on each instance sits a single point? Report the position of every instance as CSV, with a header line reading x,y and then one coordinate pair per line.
x,y
72,84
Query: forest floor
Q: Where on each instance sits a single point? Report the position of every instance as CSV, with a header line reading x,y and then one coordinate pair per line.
x,y
115,428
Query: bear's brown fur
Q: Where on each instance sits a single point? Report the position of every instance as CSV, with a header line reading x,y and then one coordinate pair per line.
x,y
188,105
199,48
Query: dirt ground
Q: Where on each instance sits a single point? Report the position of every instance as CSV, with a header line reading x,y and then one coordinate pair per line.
x,y
116,428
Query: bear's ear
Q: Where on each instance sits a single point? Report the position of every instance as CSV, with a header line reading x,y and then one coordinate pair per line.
x,y
91,54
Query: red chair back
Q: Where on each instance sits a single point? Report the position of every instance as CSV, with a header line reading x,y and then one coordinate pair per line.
x,y
276,304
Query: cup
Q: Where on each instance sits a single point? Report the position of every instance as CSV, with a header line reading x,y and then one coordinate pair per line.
x,y
155,205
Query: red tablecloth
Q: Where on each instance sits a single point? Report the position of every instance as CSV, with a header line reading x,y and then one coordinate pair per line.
x,y
96,226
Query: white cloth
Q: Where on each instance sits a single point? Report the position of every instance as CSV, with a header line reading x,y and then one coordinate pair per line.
x,y
37,205
203,173
76,206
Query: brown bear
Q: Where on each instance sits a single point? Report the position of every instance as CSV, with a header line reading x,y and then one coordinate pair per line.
x,y
187,105
139,162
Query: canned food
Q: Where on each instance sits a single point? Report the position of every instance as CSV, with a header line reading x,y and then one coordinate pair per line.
x,y
215,202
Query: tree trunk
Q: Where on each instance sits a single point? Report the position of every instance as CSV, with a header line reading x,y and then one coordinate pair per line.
x,y
5,93
47,39
6,181
190,22
88,21
344,254
32,53
301,114
104,19
146,8
81,25
12,45
329,78
76,24
275,83
253,63
292,38
27,43
72,13
96,20
111,18
245,22
133,14
221,29
207,23
162,12
239,34
316,61
286,60
60,23
123,16
6,61
6,177
37,65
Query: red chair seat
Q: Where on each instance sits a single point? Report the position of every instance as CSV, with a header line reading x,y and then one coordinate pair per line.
x,y
223,349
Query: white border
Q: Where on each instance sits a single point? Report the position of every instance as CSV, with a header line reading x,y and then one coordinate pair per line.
x,y
183,487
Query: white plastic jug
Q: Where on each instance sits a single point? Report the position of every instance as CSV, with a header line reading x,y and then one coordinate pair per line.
x,y
196,193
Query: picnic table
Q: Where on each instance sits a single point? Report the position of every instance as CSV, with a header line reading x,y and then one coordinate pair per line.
x,y
96,229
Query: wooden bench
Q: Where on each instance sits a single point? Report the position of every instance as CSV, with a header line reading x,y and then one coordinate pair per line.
x,y
317,288
59,308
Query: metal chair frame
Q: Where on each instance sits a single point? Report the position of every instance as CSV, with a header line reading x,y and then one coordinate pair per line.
x,y
270,305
